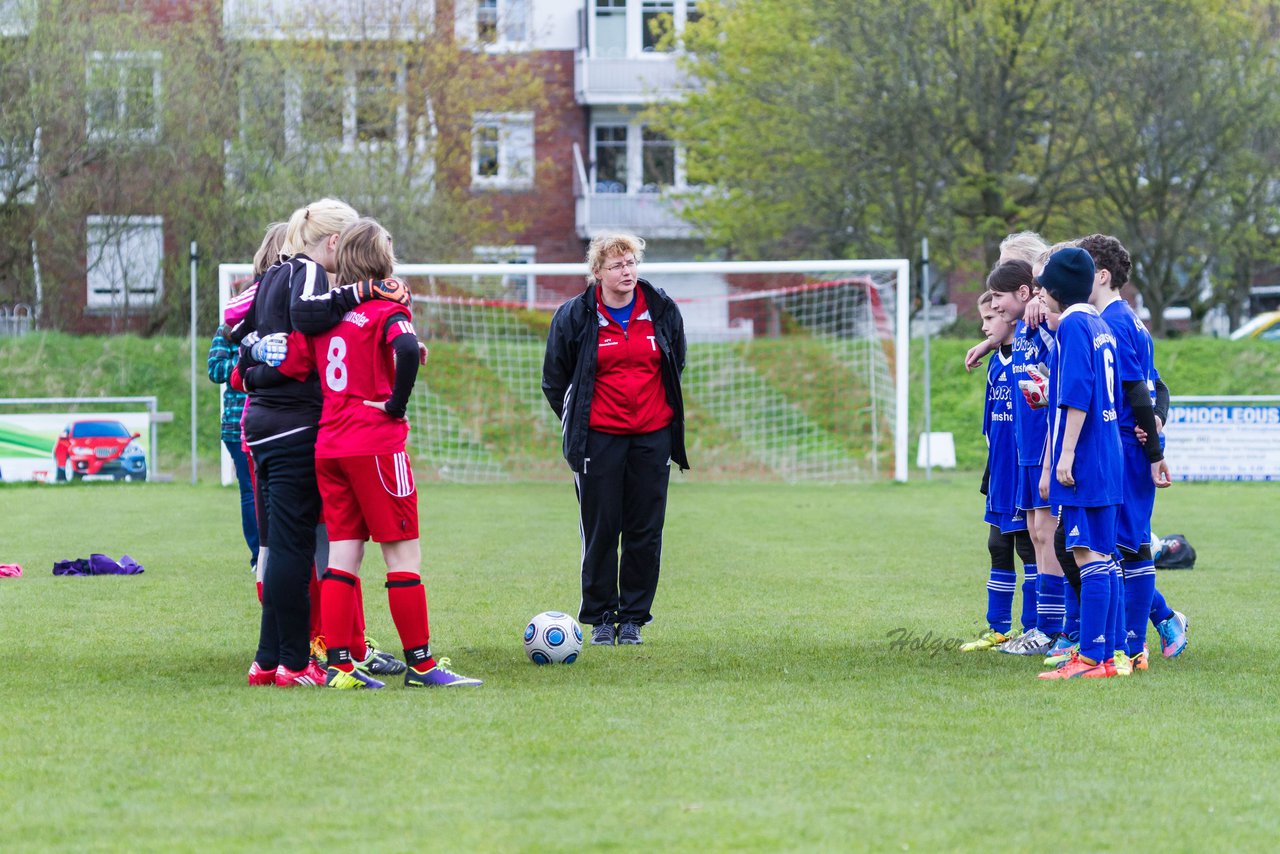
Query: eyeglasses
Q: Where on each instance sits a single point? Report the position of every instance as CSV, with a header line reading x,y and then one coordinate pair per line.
x,y
622,265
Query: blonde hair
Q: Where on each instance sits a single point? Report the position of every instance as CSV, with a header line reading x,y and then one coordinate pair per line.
x,y
268,254
1023,246
607,245
986,298
364,252
313,223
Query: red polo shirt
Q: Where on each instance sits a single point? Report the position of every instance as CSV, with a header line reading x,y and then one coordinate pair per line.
x,y
629,395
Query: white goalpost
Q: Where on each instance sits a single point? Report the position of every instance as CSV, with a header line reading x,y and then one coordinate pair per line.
x,y
796,370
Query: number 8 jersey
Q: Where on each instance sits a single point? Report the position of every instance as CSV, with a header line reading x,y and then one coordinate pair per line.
x,y
356,362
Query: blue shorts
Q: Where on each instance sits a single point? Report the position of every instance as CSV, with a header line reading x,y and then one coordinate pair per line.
x,y
1008,523
1093,528
1133,520
1028,489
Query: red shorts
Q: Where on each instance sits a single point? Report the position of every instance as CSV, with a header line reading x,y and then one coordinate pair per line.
x,y
369,497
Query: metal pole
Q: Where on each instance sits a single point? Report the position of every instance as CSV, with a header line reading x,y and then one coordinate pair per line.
x,y
195,257
924,319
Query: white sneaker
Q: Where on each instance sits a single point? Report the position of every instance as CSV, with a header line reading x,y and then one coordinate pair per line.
x,y
1034,642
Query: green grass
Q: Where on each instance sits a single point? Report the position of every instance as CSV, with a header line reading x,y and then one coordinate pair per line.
x,y
767,710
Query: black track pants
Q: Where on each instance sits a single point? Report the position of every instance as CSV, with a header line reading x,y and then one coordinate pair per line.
x,y
622,494
290,503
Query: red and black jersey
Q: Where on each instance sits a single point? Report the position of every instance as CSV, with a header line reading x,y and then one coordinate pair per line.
x,y
356,362
629,395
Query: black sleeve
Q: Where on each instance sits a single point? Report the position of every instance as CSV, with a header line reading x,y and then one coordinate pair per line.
x,y
313,308
557,364
406,347
1162,401
258,376
1145,417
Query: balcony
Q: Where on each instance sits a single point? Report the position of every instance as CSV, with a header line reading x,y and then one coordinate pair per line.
x,y
335,20
651,215
646,79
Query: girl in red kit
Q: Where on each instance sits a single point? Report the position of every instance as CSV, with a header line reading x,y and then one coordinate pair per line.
x,y
612,375
367,365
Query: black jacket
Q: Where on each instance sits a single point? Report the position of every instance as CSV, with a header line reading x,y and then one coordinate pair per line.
x,y
569,368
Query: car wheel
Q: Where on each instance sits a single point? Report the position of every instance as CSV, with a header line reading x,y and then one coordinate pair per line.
x,y
69,470
59,475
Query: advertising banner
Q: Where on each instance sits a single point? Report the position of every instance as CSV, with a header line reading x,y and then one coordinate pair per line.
x,y
1224,438
59,446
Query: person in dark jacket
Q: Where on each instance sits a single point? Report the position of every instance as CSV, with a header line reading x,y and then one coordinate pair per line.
x,y
611,373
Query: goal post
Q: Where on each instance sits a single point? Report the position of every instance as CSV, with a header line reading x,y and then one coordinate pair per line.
x,y
796,370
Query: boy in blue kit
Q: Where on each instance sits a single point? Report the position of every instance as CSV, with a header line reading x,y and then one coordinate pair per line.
x,y
1013,287
1145,466
1007,525
1084,469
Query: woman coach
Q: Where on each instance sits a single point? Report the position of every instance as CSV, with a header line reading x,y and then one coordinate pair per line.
x,y
612,374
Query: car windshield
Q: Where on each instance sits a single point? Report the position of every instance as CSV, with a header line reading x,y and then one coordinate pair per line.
x,y
88,429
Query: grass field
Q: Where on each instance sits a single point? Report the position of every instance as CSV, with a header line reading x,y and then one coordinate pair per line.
x,y
769,709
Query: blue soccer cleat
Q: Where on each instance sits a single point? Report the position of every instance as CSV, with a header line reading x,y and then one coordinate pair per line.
x,y
1173,635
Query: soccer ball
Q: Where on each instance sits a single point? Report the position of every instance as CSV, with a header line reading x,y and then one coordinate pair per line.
x,y
552,637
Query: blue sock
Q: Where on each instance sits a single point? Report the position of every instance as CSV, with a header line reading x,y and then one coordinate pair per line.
x,y
1139,591
1030,618
1071,613
1095,610
1160,610
1049,603
1000,599
1115,637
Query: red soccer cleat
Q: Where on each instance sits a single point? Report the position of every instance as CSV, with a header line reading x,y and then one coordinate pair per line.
x,y
312,675
258,676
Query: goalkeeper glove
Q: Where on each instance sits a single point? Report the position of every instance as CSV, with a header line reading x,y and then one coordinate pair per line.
x,y
270,349
1035,388
389,289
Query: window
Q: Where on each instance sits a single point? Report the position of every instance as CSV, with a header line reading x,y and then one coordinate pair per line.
x,y
611,28
125,261
658,161
610,157
502,151
516,288
123,96
495,24
657,18
348,106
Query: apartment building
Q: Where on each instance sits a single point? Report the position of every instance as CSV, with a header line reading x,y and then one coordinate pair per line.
x,y
548,175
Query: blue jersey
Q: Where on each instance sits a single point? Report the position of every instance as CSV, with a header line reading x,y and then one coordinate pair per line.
x,y
1030,347
1085,378
1135,361
998,427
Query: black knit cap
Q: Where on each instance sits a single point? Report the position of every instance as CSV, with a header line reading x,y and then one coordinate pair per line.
x,y
1068,276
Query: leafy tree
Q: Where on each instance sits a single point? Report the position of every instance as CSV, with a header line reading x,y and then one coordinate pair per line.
x,y
1183,133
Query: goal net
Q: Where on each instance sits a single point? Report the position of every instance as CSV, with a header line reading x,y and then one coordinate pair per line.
x,y
795,370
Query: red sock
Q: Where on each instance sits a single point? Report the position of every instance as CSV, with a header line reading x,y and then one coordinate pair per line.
x,y
359,650
408,600
259,592
337,600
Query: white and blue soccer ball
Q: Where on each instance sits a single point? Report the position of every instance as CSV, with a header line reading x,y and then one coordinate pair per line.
x,y
553,637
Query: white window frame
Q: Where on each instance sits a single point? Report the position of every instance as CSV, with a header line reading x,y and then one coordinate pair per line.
x,y
635,28
123,60
467,26
515,157
635,152
119,272
350,141
526,286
